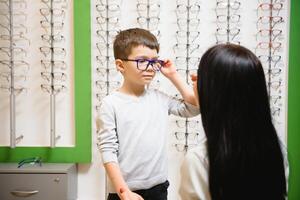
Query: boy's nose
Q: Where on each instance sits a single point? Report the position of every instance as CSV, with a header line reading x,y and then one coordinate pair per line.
x,y
150,68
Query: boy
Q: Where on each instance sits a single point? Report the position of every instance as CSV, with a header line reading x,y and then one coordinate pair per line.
x,y
132,138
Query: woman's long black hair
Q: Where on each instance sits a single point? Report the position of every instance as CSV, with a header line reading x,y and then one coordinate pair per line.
x,y
245,158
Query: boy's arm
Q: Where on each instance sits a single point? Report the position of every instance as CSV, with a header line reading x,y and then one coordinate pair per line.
x,y
115,175
120,185
107,143
186,92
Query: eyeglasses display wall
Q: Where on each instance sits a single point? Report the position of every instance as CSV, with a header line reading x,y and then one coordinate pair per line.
x,y
185,29
36,73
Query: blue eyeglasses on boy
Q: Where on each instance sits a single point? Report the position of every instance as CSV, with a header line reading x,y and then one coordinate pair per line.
x,y
143,63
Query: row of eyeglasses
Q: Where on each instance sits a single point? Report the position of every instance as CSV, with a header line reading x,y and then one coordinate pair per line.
x,y
149,15
228,21
13,48
269,49
186,52
107,27
14,45
187,44
187,134
53,51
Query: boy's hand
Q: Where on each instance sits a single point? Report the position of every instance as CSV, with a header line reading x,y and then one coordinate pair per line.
x,y
168,70
128,195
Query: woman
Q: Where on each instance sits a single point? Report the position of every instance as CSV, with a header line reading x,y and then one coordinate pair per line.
x,y
242,157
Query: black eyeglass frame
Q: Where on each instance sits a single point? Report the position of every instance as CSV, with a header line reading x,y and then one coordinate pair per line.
x,y
151,62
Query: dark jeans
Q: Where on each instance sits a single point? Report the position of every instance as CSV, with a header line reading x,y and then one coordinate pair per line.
x,y
158,192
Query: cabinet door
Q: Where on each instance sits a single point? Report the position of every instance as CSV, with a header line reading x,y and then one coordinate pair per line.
x,y
33,186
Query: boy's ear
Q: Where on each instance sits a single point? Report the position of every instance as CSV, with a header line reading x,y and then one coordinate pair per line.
x,y
119,65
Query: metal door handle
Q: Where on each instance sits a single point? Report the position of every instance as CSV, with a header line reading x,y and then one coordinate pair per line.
x,y
20,193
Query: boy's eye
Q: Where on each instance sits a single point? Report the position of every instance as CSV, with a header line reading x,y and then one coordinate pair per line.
x,y
142,61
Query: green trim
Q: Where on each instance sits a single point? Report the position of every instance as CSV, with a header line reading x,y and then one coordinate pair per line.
x,y
81,153
293,102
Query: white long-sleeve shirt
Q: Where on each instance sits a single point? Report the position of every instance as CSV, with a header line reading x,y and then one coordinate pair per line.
x,y
133,135
194,173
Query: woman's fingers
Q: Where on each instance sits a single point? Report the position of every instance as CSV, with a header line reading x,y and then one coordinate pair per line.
x,y
193,77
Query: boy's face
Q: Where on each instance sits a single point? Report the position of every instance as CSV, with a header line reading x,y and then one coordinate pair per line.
x,y
130,69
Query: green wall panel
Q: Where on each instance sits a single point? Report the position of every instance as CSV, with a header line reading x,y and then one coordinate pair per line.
x,y
81,153
294,102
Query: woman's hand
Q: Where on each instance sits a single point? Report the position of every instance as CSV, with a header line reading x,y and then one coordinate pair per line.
x,y
194,78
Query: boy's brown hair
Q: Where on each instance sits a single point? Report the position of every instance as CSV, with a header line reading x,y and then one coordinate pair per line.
x,y
130,38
